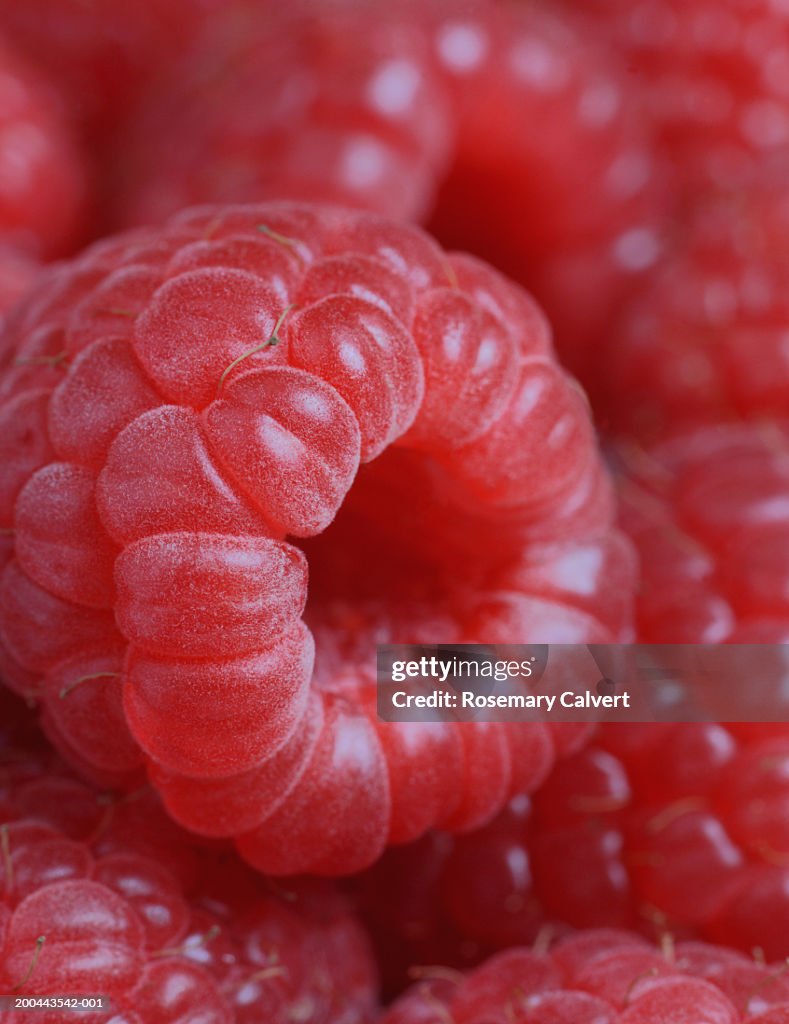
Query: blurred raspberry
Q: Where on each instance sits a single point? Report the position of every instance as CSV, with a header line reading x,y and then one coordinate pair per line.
x,y
705,340
713,77
17,273
601,977
42,178
102,56
499,124
706,510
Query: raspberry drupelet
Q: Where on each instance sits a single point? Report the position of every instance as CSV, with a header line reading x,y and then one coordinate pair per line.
x,y
186,412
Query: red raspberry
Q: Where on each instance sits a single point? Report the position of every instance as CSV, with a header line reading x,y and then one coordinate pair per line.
x,y
715,811
552,158
427,109
42,179
706,511
35,785
377,135
713,77
86,877
603,977
696,849
175,428
452,900
706,337
100,56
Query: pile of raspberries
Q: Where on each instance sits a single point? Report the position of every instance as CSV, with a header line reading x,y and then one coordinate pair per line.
x,y
341,323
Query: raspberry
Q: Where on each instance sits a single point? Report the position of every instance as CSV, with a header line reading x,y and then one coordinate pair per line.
x,y
714,824
42,178
376,137
37,788
428,902
697,849
704,510
402,125
602,977
552,157
88,905
100,57
705,338
712,77
180,436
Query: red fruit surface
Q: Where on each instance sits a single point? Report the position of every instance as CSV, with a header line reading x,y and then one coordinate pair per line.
x,y
106,895
601,977
705,339
101,56
695,847
706,510
43,186
447,107
376,135
18,270
712,76
188,410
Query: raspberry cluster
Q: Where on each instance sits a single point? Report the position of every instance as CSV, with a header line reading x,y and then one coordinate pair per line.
x,y
712,78
102,56
705,339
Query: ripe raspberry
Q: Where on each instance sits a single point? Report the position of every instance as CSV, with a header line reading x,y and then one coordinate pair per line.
x,y
447,106
554,161
706,337
713,77
603,977
36,785
377,135
697,849
706,512
716,811
100,56
42,179
175,428
85,909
